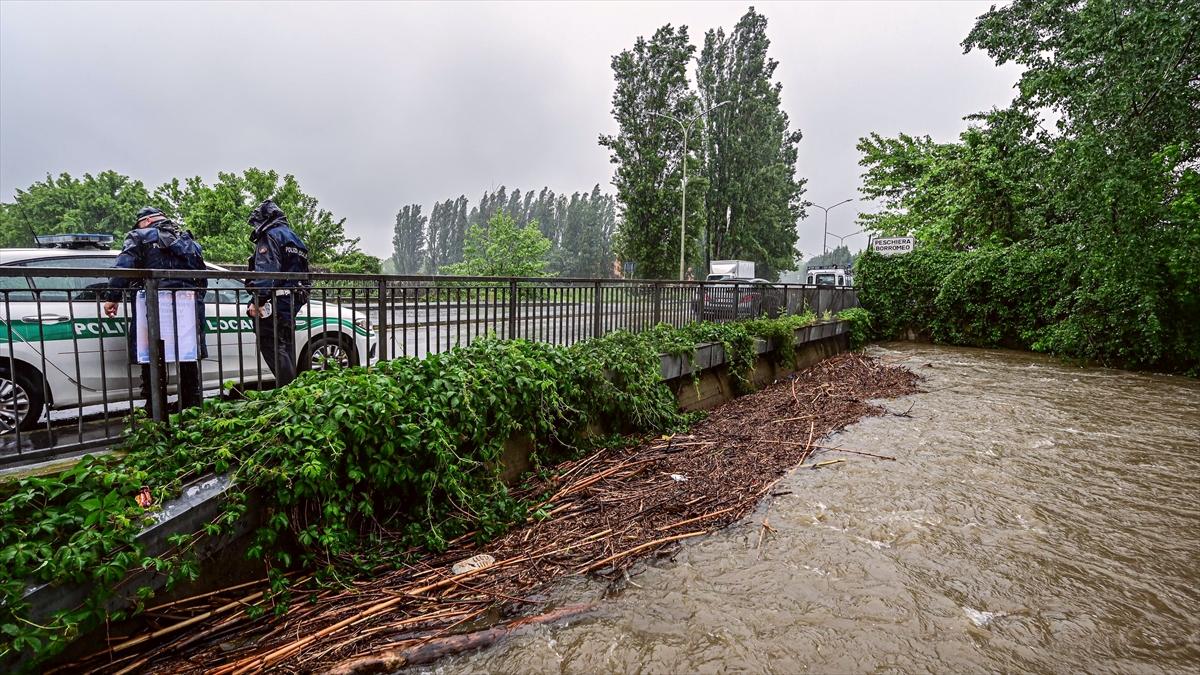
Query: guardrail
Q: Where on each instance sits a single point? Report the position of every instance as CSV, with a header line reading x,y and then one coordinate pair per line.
x,y
70,376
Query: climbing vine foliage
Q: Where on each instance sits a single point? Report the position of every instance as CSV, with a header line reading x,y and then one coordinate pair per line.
x,y
353,468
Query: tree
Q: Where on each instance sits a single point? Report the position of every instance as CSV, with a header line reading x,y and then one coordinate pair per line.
x,y
651,80
503,249
408,241
580,229
355,262
588,227
754,198
102,204
989,188
840,256
1100,206
1123,77
217,215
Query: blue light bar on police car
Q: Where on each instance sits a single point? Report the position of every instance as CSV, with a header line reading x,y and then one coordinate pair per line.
x,y
73,240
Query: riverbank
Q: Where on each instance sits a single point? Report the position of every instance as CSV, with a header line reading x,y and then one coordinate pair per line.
x,y
605,512
1040,517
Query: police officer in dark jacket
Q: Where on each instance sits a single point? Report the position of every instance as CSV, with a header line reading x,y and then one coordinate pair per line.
x,y
275,302
157,243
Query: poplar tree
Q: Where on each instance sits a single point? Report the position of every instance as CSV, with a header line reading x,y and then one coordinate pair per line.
x,y
754,197
408,241
651,79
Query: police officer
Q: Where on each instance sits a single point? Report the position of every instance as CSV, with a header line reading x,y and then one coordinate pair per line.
x,y
274,303
157,243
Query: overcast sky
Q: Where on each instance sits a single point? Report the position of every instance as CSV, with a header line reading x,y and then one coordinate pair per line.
x,y
376,105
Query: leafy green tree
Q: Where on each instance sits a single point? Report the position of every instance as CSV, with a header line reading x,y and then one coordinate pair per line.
x,y
547,210
651,81
445,232
581,229
840,256
754,197
355,262
1096,214
987,188
102,204
218,214
1123,77
503,249
408,241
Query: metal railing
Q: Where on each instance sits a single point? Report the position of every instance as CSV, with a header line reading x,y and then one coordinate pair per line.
x,y
70,376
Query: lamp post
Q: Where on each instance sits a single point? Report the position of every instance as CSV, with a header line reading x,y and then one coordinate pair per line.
x,y
686,127
827,209
842,239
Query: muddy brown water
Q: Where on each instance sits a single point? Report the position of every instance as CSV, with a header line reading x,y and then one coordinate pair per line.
x,y
1040,517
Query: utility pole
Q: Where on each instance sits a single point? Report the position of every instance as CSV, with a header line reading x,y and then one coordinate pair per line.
x,y
686,127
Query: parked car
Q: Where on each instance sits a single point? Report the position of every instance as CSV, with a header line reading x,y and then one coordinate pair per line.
x,y
58,353
736,298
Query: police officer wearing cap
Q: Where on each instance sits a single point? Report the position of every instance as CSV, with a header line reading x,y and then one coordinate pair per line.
x,y
274,303
157,243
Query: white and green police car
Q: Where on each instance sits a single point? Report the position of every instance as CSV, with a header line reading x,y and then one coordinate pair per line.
x,y
57,354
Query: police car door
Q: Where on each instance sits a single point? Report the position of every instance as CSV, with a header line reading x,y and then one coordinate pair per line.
x,y
232,346
90,349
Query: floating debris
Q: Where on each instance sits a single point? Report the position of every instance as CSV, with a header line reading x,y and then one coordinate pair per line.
x,y
606,511
475,562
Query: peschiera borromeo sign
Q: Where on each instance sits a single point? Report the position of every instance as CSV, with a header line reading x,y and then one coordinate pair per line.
x,y
893,245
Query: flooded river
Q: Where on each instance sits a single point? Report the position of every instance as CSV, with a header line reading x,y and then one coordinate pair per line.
x,y
1040,517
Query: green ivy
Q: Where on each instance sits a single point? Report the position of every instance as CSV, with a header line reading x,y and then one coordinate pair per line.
x,y
860,325
355,467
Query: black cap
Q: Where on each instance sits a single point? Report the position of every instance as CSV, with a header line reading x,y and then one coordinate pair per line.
x,y
146,212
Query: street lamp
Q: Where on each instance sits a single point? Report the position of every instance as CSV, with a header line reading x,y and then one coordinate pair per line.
x,y
842,239
687,127
827,209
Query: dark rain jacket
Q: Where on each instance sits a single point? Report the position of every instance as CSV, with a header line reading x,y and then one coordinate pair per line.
x,y
276,249
162,246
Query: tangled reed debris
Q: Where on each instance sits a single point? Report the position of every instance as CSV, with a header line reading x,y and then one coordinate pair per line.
x,y
607,510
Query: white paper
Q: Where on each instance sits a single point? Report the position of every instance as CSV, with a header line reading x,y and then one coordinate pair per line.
x,y
176,309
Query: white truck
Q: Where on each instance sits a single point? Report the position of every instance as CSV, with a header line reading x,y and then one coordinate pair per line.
x,y
719,270
831,276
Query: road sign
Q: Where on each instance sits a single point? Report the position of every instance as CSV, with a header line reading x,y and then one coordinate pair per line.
x,y
893,245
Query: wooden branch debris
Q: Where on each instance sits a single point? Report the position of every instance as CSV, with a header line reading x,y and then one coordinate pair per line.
x,y
428,651
605,512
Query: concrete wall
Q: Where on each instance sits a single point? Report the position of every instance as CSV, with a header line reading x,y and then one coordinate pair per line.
x,y
714,385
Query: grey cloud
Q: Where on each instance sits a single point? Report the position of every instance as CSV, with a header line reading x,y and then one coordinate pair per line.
x,y
375,105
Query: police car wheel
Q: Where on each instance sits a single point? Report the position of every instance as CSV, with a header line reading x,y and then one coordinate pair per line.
x,y
21,402
327,351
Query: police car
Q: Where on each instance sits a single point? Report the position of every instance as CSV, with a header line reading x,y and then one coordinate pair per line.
x,y
57,353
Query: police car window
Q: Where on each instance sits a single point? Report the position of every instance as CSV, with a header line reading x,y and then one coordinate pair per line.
x,y
15,289
82,289
229,291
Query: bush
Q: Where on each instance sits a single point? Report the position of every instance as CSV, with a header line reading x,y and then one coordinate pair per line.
x,y
860,325
1107,306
